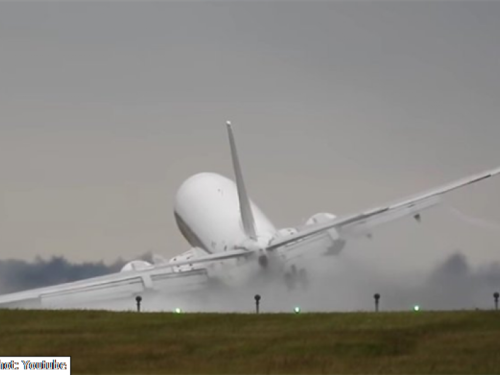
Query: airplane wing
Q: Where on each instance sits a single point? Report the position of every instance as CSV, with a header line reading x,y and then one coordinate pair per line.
x,y
358,223
121,285
163,278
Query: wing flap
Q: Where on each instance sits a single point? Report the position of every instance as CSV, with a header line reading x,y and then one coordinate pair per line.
x,y
361,227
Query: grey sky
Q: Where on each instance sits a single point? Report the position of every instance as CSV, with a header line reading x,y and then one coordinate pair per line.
x,y
106,108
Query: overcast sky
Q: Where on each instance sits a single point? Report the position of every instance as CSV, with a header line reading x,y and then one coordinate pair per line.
x,y
105,108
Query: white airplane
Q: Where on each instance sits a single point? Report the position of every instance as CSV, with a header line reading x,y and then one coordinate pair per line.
x,y
227,231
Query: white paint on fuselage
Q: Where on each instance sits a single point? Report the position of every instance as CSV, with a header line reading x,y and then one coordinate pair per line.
x,y
207,203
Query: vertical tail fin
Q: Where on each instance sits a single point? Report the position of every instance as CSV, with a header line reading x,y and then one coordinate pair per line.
x,y
245,209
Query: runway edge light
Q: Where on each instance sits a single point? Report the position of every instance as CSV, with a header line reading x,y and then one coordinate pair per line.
x,y
416,308
296,309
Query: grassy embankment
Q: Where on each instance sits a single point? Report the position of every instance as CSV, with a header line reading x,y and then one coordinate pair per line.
x,y
114,342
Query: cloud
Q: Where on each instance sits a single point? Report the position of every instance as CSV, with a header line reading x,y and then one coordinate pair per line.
x,y
455,284
17,275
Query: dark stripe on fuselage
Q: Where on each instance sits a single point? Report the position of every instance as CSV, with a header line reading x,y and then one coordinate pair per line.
x,y
188,233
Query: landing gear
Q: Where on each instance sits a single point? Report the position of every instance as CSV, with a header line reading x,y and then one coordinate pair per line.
x,y
294,277
303,279
263,261
289,282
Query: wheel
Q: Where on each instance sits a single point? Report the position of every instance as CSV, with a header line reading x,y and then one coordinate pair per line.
x,y
289,281
303,279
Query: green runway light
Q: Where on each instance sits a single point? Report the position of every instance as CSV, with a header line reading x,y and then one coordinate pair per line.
x,y
177,310
416,308
296,310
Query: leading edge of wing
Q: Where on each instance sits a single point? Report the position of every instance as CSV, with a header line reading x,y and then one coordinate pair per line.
x,y
417,202
76,286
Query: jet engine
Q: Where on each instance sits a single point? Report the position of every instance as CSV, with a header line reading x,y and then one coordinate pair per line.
x,y
135,265
331,239
192,253
320,218
286,232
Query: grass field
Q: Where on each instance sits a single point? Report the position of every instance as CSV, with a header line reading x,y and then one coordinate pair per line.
x,y
159,343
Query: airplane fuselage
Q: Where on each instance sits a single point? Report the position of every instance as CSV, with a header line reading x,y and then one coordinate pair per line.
x,y
207,213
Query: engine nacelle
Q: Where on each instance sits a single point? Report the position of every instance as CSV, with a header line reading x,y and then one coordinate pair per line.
x,y
192,253
320,218
331,239
284,232
135,265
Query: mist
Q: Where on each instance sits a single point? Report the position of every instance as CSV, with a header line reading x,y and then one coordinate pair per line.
x,y
339,283
346,284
